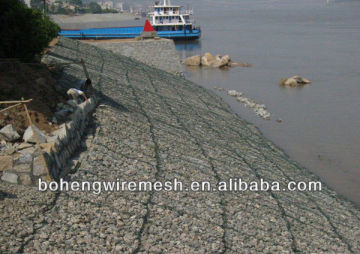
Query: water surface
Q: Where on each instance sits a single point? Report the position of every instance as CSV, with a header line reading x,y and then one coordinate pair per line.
x,y
319,40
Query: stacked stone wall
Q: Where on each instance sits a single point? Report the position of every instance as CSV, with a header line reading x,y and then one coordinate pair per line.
x,y
24,165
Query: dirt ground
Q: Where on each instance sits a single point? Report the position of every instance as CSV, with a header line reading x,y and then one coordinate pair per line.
x,y
30,81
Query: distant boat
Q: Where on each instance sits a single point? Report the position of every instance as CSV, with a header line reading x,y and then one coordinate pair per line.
x,y
168,20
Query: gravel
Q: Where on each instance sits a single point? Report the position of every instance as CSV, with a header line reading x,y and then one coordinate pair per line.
x,y
152,125
159,53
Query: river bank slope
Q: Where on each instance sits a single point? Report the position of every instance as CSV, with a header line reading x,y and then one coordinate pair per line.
x,y
154,126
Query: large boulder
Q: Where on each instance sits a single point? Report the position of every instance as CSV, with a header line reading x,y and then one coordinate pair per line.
x,y
208,59
9,133
294,81
9,177
29,136
193,61
224,61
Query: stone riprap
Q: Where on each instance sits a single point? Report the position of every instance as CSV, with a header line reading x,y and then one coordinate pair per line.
x,y
154,126
23,164
159,53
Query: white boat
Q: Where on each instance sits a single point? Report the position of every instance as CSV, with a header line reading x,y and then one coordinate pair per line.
x,y
171,21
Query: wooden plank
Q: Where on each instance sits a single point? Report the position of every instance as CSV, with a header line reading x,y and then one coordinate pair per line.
x,y
12,102
13,106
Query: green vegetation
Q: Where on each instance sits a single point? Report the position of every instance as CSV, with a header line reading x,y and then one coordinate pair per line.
x,y
38,4
94,7
78,3
24,32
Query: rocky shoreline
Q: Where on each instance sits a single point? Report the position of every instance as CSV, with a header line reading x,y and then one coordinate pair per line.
x,y
152,125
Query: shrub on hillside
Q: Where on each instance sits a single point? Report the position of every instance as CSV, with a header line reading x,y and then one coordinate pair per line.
x,y
24,32
95,7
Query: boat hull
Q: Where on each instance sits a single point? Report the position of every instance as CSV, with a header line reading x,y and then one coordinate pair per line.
x,y
126,32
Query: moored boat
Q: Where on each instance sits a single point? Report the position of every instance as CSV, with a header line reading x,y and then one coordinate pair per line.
x,y
169,21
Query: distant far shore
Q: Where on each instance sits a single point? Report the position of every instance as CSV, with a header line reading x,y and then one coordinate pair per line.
x,y
91,20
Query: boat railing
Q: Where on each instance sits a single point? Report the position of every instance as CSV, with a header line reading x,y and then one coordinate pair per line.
x,y
167,22
184,12
155,13
187,12
188,22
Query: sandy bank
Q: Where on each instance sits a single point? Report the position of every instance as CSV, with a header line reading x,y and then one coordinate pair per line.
x,y
92,20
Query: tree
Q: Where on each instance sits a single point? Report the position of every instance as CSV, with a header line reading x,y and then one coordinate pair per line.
x,y
24,32
38,4
78,3
95,7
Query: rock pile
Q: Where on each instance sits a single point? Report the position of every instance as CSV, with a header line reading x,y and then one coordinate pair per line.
x,y
193,61
29,136
259,109
9,133
21,162
294,81
218,61
208,60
